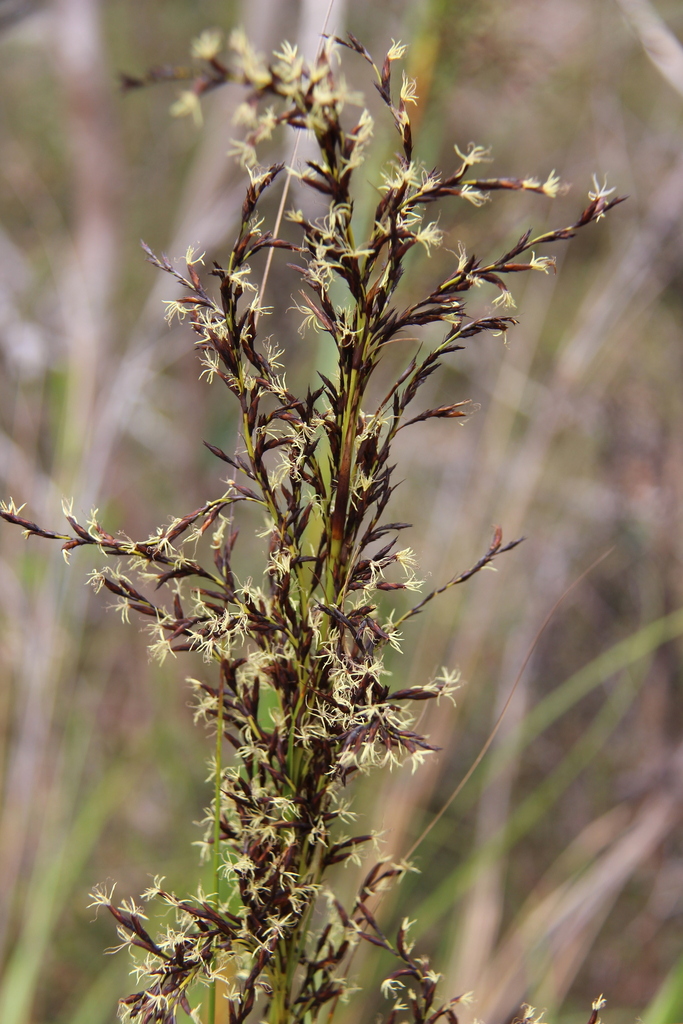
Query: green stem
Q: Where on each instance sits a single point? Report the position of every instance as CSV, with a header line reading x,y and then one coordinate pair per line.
x,y
278,1006
293,946
217,829
344,479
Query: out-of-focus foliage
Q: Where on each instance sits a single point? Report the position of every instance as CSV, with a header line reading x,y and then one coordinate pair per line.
x,y
558,872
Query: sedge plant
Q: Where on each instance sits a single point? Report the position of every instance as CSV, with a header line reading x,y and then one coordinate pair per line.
x,y
294,685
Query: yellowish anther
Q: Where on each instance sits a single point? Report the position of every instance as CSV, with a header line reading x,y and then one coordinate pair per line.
x,y
13,509
599,191
474,155
207,45
553,186
186,105
408,89
473,195
505,300
190,257
397,50
542,263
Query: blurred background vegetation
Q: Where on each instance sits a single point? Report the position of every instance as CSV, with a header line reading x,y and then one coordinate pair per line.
x,y
557,873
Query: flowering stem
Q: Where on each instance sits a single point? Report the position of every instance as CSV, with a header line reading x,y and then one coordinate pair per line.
x,y
301,695
217,828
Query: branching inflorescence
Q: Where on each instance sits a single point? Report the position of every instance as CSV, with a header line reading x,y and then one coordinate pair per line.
x,y
300,692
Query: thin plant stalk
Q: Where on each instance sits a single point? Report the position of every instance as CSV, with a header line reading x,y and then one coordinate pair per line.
x,y
218,773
